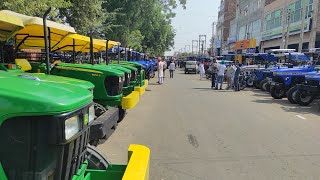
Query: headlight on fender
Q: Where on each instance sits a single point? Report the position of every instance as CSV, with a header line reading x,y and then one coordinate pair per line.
x,y
91,114
72,127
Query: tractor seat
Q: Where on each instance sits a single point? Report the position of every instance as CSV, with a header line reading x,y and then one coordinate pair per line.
x,y
24,64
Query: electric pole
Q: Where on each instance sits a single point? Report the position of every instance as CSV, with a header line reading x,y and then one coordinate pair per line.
x,y
202,43
288,29
194,45
304,4
313,33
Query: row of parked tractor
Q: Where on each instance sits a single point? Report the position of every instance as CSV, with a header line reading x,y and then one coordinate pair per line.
x,y
62,94
300,84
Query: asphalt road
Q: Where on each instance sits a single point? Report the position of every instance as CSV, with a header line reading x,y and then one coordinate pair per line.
x,y
197,133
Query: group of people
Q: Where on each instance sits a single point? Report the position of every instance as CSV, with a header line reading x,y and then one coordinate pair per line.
x,y
219,71
162,66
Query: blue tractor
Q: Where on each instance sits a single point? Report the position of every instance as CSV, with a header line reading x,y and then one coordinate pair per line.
x,y
308,91
148,66
284,81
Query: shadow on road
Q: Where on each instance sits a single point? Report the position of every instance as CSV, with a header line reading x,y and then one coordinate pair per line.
x,y
287,106
213,90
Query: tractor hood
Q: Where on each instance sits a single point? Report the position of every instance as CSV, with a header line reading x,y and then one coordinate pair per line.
x,y
296,69
28,95
63,80
98,69
314,75
121,68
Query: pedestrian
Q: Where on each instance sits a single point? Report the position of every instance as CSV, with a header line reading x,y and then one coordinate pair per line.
x,y
221,71
172,68
165,67
214,70
160,71
201,70
230,74
236,77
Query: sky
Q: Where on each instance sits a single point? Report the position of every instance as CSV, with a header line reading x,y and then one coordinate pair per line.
x,y
196,20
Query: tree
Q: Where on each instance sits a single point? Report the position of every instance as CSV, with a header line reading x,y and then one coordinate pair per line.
x,y
35,7
135,39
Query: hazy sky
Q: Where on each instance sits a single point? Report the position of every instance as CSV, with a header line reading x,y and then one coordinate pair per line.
x,y
194,21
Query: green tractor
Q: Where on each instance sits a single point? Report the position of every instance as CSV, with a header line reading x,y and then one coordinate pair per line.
x,y
45,126
110,103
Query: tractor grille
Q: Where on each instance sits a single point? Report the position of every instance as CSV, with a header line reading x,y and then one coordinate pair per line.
x,y
126,80
133,75
277,79
74,154
313,83
114,85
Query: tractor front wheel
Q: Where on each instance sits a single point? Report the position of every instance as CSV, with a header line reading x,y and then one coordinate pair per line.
x,y
291,94
96,161
277,93
263,84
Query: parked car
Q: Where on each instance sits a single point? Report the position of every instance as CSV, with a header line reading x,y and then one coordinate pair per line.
x,y
191,66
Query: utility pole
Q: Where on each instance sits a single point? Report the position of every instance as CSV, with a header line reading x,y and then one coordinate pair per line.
x,y
202,43
313,33
212,40
194,45
304,4
288,29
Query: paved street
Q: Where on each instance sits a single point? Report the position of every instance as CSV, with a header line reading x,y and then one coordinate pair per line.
x,y
197,133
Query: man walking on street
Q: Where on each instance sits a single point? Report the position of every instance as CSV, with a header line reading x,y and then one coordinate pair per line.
x,y
236,77
160,71
221,71
214,70
172,68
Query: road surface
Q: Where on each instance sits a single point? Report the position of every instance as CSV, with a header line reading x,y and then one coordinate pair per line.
x,y
197,133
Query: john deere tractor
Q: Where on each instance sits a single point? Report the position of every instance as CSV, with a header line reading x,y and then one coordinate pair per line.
x,y
45,129
110,104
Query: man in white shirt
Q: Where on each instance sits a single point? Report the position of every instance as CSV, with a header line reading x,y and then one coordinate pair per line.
x,y
221,71
160,70
172,68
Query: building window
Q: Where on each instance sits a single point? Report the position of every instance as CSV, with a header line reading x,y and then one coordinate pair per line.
x,y
296,10
273,20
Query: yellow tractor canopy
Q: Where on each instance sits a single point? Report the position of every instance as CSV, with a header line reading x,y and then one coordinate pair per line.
x,y
31,36
81,44
110,43
9,25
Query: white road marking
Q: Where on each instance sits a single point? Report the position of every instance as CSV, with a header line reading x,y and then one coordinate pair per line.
x,y
301,117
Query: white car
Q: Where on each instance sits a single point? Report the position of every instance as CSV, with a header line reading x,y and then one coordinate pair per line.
x,y
191,66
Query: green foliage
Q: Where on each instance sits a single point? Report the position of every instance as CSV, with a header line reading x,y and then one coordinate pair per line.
x,y
35,7
135,39
144,25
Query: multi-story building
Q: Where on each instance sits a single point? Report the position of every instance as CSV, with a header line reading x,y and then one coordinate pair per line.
x,y
246,25
227,12
277,14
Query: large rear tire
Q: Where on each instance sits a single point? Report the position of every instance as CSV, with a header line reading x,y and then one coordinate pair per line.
x,y
96,160
291,94
303,98
263,84
277,93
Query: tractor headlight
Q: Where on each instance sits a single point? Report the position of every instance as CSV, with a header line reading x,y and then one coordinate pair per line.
x,y
72,127
287,78
91,114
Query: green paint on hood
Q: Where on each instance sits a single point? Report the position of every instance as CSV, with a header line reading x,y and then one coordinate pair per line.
x,y
94,68
28,95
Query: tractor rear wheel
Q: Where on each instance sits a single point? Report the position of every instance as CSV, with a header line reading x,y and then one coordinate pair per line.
x,y
96,160
291,94
303,98
277,93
